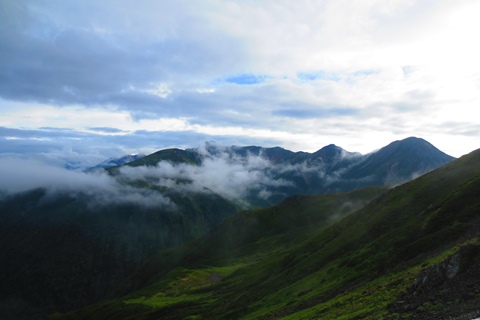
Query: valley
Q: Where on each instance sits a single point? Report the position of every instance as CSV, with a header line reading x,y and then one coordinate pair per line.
x,y
412,253
83,247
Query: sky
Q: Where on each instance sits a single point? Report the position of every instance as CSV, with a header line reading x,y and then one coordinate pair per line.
x,y
83,81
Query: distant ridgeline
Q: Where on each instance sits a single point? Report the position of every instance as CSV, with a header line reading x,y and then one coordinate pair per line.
x,y
408,252
63,250
267,176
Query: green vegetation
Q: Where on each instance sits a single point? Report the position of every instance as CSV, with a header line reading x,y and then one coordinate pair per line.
x,y
171,155
62,251
311,258
64,254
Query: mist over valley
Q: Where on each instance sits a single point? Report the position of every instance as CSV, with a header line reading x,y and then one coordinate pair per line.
x,y
112,219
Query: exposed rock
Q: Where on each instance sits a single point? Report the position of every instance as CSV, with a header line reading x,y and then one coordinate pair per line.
x,y
438,289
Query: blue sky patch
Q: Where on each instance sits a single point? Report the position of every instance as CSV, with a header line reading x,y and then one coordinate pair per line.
x,y
364,73
246,79
321,75
332,76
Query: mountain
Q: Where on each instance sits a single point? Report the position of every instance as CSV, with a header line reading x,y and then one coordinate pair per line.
x,y
64,251
113,162
398,162
411,253
173,155
75,246
330,169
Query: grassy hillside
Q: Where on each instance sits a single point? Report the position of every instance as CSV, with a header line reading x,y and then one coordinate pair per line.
x,y
410,253
68,252
79,245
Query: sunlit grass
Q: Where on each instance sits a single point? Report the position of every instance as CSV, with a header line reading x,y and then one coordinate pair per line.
x,y
181,286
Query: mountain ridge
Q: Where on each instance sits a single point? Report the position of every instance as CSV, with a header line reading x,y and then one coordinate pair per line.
x,y
113,162
418,152
329,169
410,253
148,207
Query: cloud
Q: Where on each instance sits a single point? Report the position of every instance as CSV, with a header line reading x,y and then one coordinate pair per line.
x,y
240,179
80,150
59,147
21,175
101,57
316,113
106,130
222,173
243,177
308,72
121,52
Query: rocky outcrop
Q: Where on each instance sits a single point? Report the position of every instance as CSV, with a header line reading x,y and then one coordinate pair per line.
x,y
439,290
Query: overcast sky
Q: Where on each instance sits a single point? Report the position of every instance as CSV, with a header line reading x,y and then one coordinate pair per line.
x,y
87,80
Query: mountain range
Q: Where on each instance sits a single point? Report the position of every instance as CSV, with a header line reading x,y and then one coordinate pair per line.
x,y
65,249
328,170
408,252
112,162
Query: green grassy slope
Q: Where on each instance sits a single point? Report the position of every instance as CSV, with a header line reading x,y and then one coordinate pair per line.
x,y
267,264
250,237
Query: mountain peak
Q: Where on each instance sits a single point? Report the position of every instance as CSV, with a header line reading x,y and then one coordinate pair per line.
x,y
329,151
331,147
416,147
396,161
411,142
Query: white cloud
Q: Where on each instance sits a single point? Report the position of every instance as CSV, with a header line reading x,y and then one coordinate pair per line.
x,y
20,175
223,174
232,177
400,68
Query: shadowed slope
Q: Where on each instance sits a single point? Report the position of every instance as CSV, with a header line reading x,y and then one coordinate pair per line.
x,y
359,267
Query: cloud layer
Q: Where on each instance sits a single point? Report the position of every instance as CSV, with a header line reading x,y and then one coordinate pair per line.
x,y
232,177
300,75
21,175
237,178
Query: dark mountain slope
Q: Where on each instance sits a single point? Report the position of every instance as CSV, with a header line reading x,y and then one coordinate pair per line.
x,y
110,241
398,162
68,252
276,155
172,155
333,155
330,169
250,232
113,162
411,253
